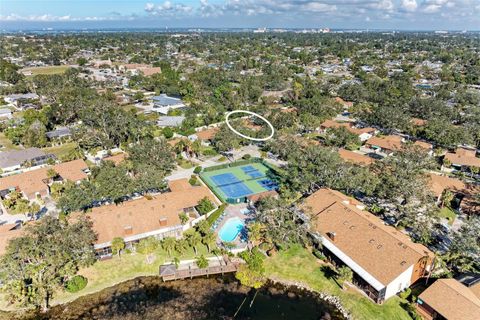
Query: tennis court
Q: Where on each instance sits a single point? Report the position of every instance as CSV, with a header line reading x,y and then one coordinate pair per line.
x,y
234,184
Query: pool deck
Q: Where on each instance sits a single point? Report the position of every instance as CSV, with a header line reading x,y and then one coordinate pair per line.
x,y
233,211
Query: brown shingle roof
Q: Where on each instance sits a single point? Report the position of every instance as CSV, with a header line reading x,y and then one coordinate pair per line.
x,y
392,143
452,300
439,183
207,134
31,182
382,251
8,232
334,124
116,159
423,145
464,157
354,157
143,215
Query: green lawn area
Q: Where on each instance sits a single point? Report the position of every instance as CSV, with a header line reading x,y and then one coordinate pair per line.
x,y
7,144
47,70
448,214
62,150
298,264
106,273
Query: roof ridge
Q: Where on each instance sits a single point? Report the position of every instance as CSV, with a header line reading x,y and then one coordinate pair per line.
x,y
477,303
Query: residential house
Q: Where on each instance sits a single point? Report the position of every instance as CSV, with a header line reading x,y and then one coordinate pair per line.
x,y
449,299
163,103
355,157
204,136
462,158
8,232
363,133
385,144
16,100
59,133
463,192
116,159
170,121
5,114
428,147
34,183
141,218
384,260
14,160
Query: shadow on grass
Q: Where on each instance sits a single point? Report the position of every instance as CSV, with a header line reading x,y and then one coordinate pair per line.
x,y
330,274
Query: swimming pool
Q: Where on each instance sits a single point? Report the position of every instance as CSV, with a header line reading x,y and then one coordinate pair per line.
x,y
231,229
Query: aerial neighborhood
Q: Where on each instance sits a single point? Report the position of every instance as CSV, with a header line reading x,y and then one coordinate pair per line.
x,y
117,162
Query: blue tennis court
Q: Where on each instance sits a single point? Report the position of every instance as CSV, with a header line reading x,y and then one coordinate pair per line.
x,y
224,178
236,190
255,174
248,169
268,184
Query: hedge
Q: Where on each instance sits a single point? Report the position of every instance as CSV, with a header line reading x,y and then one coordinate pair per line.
x,y
216,214
76,284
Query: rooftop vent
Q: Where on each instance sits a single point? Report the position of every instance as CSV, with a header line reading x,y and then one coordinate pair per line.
x,y
345,222
352,227
128,230
162,221
403,263
371,241
331,235
379,247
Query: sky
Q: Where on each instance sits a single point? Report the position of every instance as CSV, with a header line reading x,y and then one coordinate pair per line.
x,y
336,14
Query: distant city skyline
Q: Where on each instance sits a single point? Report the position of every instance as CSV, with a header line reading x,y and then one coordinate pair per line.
x,y
339,14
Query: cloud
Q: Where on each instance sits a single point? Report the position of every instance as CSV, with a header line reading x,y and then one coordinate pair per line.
x,y
167,8
409,5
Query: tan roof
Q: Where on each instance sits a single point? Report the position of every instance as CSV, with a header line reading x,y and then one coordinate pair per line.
x,y
423,145
150,71
117,159
334,124
343,102
359,131
142,215
135,66
8,232
452,300
464,157
439,183
419,122
354,157
207,134
387,142
382,251
31,182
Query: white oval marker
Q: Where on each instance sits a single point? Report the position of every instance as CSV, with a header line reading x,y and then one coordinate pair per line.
x,y
253,114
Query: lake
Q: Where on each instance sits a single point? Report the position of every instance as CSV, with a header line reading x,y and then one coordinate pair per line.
x,y
148,298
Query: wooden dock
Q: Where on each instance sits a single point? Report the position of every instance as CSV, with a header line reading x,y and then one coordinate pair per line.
x,y
170,272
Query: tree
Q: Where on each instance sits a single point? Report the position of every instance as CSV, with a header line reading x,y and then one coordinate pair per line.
x,y
183,217
118,244
36,264
205,205
193,239
168,244
209,240
344,274
281,223
252,274
202,262
181,246
465,248
447,198
256,232
52,174
342,138
147,245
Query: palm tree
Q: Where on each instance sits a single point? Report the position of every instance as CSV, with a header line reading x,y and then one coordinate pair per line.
x,y
202,262
193,240
181,246
255,232
447,198
209,240
176,262
168,244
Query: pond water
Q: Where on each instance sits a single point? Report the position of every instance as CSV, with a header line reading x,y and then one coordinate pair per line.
x,y
148,298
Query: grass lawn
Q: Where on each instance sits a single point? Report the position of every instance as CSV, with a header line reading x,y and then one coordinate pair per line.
x,y
448,214
7,144
47,70
297,264
62,150
106,273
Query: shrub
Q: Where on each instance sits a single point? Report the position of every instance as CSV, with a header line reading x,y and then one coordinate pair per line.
x,y
221,159
205,206
197,169
193,181
209,152
76,284
246,156
319,255
406,293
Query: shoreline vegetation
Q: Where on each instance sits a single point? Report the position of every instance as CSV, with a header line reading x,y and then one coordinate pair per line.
x,y
295,266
